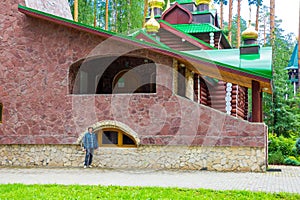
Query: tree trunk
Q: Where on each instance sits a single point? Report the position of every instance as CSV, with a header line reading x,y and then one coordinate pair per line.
x,y
299,50
272,20
145,11
230,20
129,17
95,13
238,34
76,10
257,16
221,14
265,32
106,15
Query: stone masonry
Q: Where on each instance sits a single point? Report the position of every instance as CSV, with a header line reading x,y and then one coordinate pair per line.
x,y
143,157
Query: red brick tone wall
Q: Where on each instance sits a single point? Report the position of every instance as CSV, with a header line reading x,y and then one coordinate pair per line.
x,y
39,109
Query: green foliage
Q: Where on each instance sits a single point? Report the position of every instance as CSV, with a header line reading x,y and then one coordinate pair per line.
x,y
283,150
124,16
282,109
57,192
291,160
234,29
255,2
282,144
219,1
85,11
275,158
297,145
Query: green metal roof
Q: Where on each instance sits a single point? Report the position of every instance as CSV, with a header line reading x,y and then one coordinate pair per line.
x,y
184,1
188,35
293,63
197,28
258,64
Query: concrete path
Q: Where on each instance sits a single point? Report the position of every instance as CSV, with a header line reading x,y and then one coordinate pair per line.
x,y
288,180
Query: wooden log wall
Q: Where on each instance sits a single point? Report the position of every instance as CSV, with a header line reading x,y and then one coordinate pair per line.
x,y
175,42
206,38
201,91
218,93
239,101
214,96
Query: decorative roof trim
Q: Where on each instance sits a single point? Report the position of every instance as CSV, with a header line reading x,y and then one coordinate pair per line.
x,y
180,7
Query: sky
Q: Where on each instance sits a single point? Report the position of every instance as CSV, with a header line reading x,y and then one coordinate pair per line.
x,y
286,10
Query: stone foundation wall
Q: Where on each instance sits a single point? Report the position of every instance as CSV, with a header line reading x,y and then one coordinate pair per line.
x,y
147,157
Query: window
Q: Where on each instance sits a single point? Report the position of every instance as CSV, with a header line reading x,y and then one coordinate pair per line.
x,y
1,109
108,75
115,138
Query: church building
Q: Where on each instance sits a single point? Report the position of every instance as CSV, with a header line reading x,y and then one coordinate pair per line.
x,y
172,95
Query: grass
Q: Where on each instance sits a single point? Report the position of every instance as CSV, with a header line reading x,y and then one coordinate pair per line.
x,y
21,191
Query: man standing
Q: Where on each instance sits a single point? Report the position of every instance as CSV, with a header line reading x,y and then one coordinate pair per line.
x,y
90,143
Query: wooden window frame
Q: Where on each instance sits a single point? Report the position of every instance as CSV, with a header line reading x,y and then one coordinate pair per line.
x,y
120,139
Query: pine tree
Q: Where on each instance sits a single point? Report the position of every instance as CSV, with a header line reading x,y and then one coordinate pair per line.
x,y
238,35
230,20
221,3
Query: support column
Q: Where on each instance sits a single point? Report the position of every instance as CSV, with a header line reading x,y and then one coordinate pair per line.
x,y
175,76
76,10
181,80
197,88
189,91
256,102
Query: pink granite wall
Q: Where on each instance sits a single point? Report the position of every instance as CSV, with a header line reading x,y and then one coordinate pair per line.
x,y
166,119
38,109
35,59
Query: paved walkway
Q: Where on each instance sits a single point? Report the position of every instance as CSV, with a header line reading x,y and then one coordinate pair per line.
x,y
288,180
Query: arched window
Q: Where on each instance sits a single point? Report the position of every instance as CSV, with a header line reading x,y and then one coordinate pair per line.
x,y
1,109
109,137
126,81
112,75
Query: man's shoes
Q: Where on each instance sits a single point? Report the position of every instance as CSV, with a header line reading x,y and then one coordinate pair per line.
x,y
90,166
84,166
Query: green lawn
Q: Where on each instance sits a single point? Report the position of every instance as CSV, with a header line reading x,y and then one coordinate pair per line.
x,y
20,191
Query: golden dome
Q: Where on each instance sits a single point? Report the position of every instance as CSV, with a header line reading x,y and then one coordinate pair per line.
x,y
152,26
156,3
250,33
198,2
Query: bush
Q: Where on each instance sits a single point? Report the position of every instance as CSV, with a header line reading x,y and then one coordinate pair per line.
x,y
291,161
276,158
297,145
285,145
281,148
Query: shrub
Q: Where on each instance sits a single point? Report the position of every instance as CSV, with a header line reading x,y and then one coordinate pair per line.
x,y
297,145
291,161
276,158
285,145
